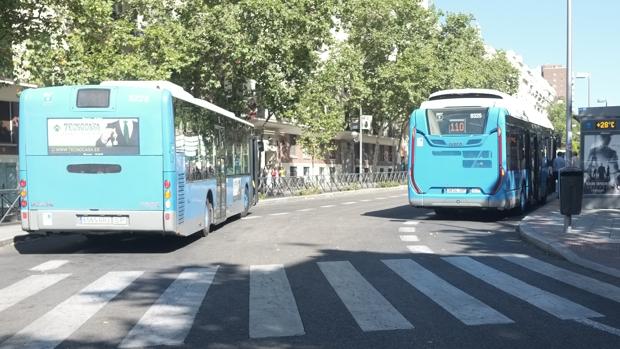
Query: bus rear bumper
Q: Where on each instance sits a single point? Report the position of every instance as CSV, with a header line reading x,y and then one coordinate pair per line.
x,y
484,201
95,221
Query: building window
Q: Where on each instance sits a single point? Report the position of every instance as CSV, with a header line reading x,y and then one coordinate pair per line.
x,y
293,171
292,140
306,171
9,122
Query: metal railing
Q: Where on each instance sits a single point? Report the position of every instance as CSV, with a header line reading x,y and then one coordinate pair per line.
x,y
304,185
9,205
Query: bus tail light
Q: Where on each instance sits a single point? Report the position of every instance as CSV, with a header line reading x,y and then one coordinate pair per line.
x,y
24,215
167,216
411,162
22,194
167,184
500,155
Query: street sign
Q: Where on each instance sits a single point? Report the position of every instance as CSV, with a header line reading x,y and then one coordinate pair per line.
x,y
366,121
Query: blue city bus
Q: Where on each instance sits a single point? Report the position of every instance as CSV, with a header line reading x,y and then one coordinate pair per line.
x,y
131,156
478,148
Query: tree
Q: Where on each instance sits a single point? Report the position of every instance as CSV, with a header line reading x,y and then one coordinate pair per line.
x,y
22,20
335,90
557,116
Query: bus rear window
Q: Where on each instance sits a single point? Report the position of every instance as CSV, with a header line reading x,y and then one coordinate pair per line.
x,y
93,98
462,121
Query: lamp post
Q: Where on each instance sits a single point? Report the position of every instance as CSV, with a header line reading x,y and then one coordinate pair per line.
x,y
585,76
569,98
602,100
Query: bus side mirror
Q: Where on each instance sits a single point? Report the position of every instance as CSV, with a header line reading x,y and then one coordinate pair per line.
x,y
261,146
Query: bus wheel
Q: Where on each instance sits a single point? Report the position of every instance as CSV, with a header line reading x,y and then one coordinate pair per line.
x,y
246,202
208,219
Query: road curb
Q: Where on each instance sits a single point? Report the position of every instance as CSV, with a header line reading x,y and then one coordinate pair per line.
x,y
266,202
557,248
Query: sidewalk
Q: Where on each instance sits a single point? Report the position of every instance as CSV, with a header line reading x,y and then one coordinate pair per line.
x,y
10,233
594,241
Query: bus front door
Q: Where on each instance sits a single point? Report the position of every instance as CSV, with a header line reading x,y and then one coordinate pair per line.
x,y
220,197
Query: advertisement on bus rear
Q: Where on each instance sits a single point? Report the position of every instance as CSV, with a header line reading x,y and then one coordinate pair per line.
x,y
601,172
93,136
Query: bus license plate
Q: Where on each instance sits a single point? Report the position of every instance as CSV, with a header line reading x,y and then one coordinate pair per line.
x,y
456,191
104,220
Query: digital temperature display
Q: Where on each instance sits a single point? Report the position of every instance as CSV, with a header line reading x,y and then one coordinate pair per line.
x,y
606,124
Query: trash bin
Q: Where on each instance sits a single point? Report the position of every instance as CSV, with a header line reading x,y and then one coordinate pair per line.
x,y
571,190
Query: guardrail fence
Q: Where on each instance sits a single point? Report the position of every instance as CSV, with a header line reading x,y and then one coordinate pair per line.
x,y
9,205
304,185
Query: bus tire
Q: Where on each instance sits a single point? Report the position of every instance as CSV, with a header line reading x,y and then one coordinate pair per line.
x,y
246,202
208,219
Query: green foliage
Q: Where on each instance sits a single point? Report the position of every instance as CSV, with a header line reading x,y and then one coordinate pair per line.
x,y
309,191
396,53
388,184
557,115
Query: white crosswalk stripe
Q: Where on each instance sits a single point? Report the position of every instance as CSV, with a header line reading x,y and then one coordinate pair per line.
x,y
555,305
27,287
409,238
369,308
169,320
406,230
577,280
273,310
50,265
464,307
420,249
411,223
52,328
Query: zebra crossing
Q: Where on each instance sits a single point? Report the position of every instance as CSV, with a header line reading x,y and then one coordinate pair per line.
x,y
273,310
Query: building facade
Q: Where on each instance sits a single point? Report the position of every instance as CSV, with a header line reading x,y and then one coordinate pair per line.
x,y
555,74
9,132
284,154
533,89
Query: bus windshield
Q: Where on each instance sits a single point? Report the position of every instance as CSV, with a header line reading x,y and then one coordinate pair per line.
x,y
456,121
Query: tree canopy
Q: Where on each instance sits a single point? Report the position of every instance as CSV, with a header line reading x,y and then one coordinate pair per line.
x,y
278,55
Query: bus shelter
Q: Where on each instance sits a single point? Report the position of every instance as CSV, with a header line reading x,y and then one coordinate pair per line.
x,y
600,146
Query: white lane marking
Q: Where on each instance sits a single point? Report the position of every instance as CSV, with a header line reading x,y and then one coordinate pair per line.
x,y
250,217
420,249
365,200
306,209
328,206
369,308
273,310
395,196
589,284
349,203
27,287
467,309
406,230
411,223
59,323
50,265
278,214
555,305
599,326
168,321
409,238
381,198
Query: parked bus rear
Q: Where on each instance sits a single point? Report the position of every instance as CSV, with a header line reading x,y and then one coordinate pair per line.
x,y
456,158
92,158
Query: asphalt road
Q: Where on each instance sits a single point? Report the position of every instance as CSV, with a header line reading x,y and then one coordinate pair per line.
x,y
356,270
